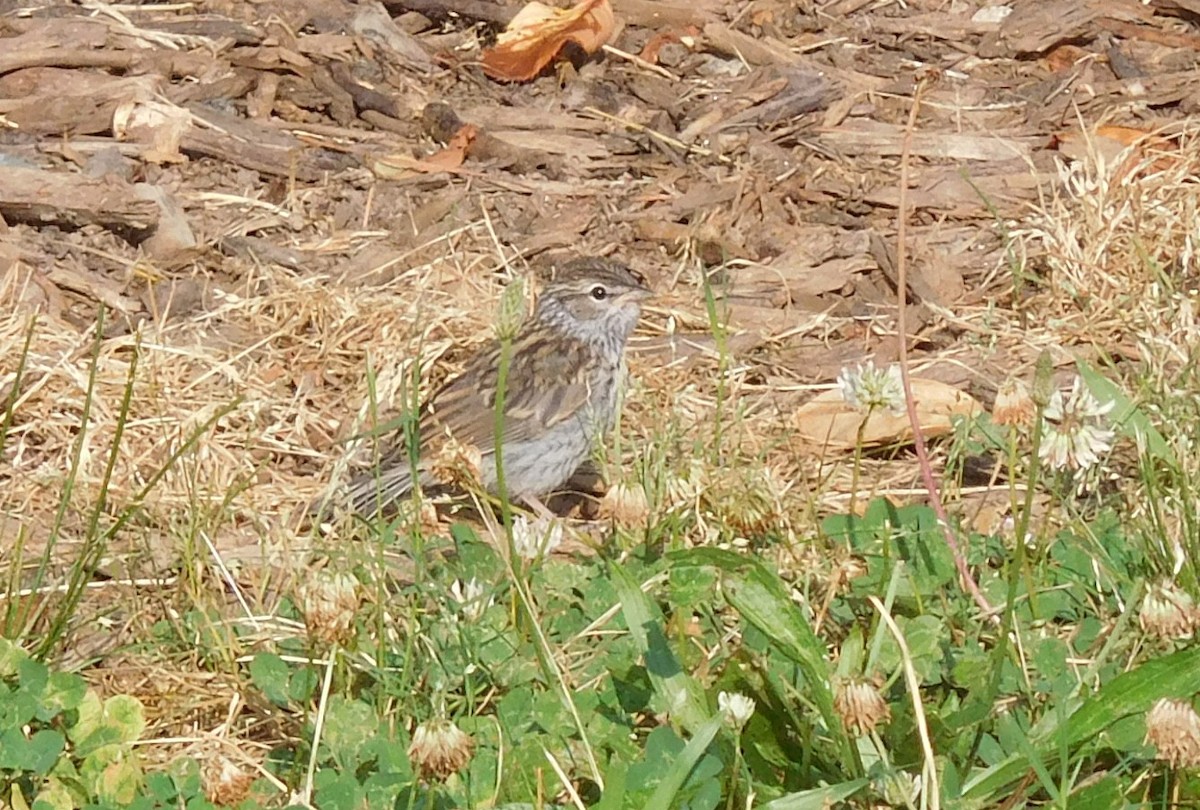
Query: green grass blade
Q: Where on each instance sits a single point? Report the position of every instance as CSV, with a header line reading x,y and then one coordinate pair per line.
x,y
1130,693
11,606
140,496
763,601
1029,753
664,794
10,403
615,787
29,615
95,539
683,696
1129,420
818,798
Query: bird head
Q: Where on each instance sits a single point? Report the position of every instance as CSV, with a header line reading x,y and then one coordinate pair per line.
x,y
595,300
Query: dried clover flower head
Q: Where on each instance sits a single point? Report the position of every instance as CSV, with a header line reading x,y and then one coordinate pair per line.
x,y
224,782
625,504
1168,613
428,517
860,705
685,488
745,499
1173,728
329,602
847,569
440,749
457,464
1014,406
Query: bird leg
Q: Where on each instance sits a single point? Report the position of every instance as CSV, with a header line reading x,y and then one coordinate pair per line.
x,y
539,509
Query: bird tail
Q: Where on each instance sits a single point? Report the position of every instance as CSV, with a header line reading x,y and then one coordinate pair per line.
x,y
378,490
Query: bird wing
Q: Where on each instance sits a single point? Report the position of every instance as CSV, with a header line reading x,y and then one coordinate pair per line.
x,y
547,383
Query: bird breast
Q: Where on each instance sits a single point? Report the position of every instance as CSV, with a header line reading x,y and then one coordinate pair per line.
x,y
604,396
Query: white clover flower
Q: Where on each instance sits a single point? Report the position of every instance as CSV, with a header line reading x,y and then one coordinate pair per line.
x,y
868,388
1073,434
901,788
536,539
470,596
736,707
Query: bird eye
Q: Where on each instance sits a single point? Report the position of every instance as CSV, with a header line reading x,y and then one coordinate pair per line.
x,y
599,293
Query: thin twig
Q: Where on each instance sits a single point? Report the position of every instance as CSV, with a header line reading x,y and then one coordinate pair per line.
x,y
935,497
306,792
658,136
640,62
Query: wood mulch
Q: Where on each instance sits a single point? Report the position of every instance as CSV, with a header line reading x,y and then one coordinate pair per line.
x,y
762,135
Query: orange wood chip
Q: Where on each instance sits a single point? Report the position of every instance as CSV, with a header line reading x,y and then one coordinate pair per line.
x,y
539,32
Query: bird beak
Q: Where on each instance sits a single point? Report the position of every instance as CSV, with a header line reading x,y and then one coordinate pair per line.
x,y
640,294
